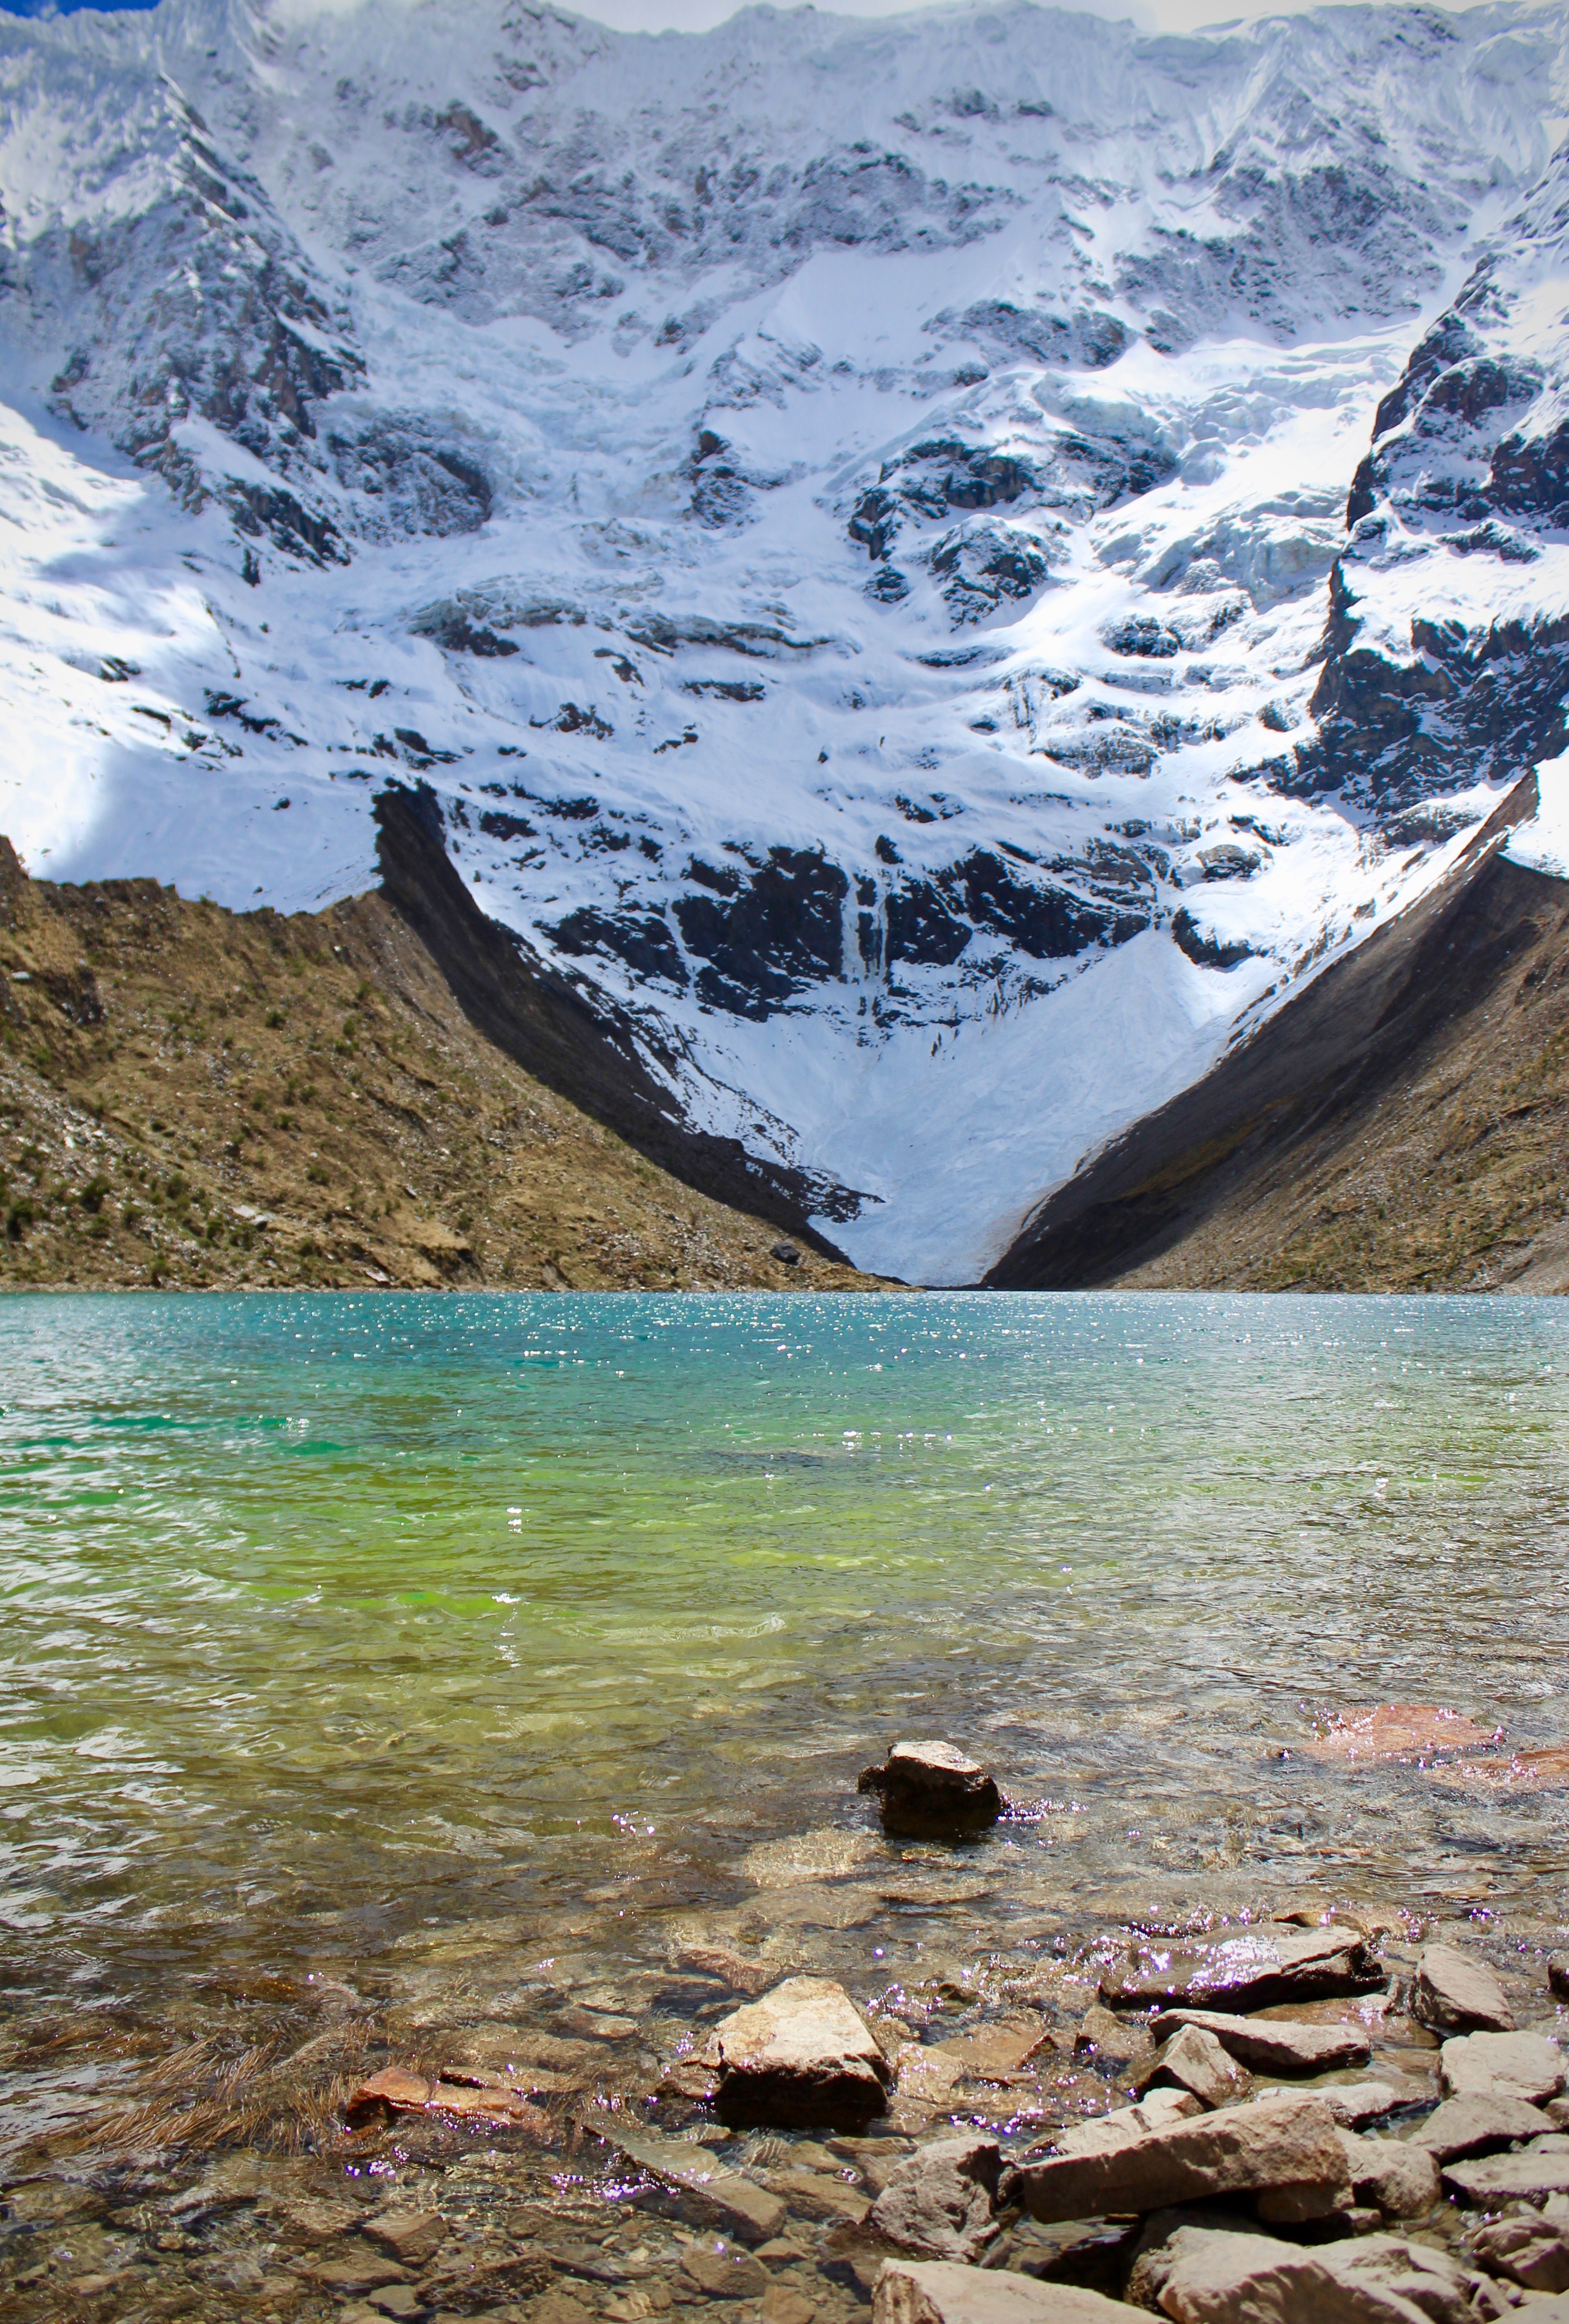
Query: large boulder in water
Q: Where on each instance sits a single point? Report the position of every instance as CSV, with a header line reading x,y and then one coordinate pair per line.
x,y
933,1790
802,2055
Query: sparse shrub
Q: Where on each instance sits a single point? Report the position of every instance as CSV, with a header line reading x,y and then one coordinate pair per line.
x,y
91,1197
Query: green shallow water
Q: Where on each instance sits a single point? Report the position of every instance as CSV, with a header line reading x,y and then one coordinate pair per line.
x,y
335,1627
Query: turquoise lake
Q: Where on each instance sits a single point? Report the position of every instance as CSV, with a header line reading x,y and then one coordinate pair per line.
x,y
340,1633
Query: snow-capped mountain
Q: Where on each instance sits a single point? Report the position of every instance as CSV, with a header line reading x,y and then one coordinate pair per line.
x,y
841,527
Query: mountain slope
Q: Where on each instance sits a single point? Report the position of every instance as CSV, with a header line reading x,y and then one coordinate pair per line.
x,y
199,1099
1402,1125
842,525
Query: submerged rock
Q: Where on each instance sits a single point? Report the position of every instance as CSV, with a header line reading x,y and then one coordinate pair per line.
x,y
931,1789
1456,1994
411,2237
938,2204
395,2091
802,2055
1253,1968
734,2203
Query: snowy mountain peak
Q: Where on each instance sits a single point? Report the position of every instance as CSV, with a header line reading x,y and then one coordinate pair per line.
x,y
840,526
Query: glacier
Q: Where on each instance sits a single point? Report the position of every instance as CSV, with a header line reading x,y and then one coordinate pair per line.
x,y
936,569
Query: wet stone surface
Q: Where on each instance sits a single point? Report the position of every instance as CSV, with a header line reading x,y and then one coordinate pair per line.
x,y
545,2176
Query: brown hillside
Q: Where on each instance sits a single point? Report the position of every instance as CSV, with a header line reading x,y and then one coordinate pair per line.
x,y
194,1097
1402,1125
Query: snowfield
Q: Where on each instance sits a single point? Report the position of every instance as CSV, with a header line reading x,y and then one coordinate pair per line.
x,y
846,522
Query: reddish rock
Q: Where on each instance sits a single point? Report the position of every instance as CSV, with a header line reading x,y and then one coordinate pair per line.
x,y
933,1788
1479,2124
1528,2172
1417,1732
941,2292
396,2090
1528,2251
1211,2276
938,2203
1194,2061
1502,2065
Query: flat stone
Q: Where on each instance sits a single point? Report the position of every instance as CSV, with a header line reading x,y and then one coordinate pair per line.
x,y
411,2237
1401,2180
478,2097
780,2305
363,2273
1457,1994
801,2055
1528,2172
938,2204
730,2202
1124,2125
1273,2045
942,2291
1241,2149
932,1788
997,2054
819,2195
1528,2251
1502,2065
731,1968
1251,1969
723,2273
1397,1730
1195,2060
1215,2277
398,2300
1353,2103
555,2307
1478,2125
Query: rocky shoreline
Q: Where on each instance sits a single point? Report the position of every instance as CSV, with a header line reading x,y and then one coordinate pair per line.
x,y
1336,2112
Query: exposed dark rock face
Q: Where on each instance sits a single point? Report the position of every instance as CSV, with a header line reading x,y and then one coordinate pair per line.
x,y
977,564
1203,947
767,934
643,941
408,480
1470,458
